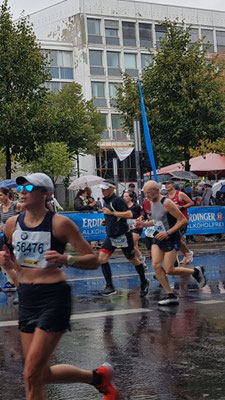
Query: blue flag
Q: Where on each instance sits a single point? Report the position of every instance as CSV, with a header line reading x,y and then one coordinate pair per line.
x,y
148,141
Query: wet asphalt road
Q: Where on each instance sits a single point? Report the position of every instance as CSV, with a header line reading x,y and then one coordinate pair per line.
x,y
158,353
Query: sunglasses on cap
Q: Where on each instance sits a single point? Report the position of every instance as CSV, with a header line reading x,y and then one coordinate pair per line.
x,y
28,188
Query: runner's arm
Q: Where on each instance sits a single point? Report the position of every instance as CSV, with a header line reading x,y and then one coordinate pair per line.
x,y
188,202
171,208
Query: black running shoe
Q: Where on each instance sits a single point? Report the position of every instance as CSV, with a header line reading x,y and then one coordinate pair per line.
x,y
199,275
144,289
170,300
108,291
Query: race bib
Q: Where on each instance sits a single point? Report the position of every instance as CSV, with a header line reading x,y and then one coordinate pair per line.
x,y
131,223
151,230
119,241
30,248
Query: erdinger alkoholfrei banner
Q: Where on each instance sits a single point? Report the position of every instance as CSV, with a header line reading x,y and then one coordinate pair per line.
x,y
148,141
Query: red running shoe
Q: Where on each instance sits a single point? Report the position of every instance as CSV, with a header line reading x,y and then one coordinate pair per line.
x,y
107,387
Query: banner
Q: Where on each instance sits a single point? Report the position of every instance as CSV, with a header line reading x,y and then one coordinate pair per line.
x,y
206,220
202,221
89,224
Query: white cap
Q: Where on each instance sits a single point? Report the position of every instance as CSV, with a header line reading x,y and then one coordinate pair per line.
x,y
106,184
37,179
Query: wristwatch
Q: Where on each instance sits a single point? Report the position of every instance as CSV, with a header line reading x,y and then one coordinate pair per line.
x,y
70,260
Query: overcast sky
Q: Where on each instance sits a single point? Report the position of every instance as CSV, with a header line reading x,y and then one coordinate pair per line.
x,y
17,6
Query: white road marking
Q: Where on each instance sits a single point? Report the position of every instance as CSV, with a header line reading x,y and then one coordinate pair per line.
x,y
209,301
89,315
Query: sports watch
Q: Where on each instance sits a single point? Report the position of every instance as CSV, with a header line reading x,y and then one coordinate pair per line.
x,y
70,260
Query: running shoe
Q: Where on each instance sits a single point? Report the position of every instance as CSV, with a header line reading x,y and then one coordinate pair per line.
x,y
108,291
8,287
143,261
199,275
170,300
187,259
107,386
16,299
144,289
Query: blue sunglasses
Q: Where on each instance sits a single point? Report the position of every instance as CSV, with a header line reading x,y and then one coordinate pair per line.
x,y
28,188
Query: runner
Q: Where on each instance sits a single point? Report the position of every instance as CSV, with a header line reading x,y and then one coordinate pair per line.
x,y
118,236
183,202
136,233
163,233
39,238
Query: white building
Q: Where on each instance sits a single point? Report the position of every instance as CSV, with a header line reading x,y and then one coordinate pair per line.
x,y
93,40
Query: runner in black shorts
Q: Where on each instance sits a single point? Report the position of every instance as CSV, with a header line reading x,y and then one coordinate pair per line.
x,y
163,228
136,233
118,236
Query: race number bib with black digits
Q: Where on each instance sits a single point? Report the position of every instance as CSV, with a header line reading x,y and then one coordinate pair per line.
x,y
30,248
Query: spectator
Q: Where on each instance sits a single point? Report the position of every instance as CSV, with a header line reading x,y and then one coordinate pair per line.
x,y
98,204
220,198
131,188
82,203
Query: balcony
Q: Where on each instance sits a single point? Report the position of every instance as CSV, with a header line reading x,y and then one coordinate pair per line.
x,y
117,139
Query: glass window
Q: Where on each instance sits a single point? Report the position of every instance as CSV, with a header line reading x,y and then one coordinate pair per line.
x,y
65,59
116,121
104,121
55,72
66,73
220,39
95,57
208,40
98,89
54,86
194,35
146,59
93,26
53,58
160,33
113,89
113,59
130,60
111,32
145,34
129,30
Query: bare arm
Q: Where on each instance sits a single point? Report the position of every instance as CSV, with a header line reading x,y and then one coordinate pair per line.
x,y
67,231
171,208
188,202
120,214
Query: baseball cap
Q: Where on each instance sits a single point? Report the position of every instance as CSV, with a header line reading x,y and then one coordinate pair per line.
x,y
37,179
106,184
169,181
131,185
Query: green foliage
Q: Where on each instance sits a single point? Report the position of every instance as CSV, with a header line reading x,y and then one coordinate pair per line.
x,y
53,159
73,120
184,96
23,73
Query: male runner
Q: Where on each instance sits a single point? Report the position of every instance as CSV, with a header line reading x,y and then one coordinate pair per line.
x,y
183,202
118,236
163,233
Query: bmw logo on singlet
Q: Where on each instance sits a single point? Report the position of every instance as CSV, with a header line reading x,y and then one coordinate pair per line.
x,y
24,235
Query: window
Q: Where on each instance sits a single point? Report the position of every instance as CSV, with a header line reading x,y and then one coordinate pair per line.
x,y
95,57
113,89
111,32
220,39
146,59
145,34
98,89
113,59
194,35
160,33
61,64
208,40
129,33
94,30
105,133
54,86
93,26
130,60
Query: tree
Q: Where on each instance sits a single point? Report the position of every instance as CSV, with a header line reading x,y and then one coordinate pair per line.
x,y
73,120
184,96
53,159
23,71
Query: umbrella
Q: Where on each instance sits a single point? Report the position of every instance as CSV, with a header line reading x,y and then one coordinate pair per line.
x,y
218,186
85,180
9,183
185,175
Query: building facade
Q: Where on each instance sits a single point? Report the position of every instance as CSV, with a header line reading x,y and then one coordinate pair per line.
x,y
92,41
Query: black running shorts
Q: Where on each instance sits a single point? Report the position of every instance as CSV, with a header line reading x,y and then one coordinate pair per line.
x,y
129,252
166,245
44,306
